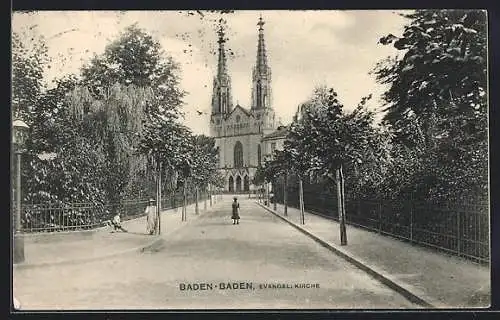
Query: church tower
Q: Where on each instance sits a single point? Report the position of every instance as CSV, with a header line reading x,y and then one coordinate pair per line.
x,y
261,85
222,103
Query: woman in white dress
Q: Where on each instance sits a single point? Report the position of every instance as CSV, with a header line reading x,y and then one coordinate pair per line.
x,y
151,217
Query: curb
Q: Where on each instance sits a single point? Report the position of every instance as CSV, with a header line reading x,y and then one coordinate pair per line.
x,y
104,256
85,260
377,274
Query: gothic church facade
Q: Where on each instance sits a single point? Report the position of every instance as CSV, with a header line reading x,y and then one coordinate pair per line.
x,y
238,131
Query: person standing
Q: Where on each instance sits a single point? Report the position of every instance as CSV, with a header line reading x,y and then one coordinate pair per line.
x,y
236,208
151,217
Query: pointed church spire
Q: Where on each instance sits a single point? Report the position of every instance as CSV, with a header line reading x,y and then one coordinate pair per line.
x,y
261,76
221,98
261,48
222,64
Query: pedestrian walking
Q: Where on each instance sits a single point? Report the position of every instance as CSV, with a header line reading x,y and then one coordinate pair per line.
x,y
236,211
151,217
116,222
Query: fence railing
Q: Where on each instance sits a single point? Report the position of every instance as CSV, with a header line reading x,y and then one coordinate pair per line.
x,y
86,216
460,229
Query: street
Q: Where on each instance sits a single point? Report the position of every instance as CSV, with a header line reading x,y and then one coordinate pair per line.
x,y
212,264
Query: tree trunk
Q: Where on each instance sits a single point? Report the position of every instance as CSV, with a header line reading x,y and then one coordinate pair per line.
x,y
273,186
205,193
158,199
184,200
267,194
285,194
341,204
196,209
176,207
210,194
301,202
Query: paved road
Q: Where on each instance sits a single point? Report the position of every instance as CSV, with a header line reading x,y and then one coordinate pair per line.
x,y
260,251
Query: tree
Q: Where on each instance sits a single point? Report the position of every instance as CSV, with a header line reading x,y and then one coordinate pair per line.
x,y
76,170
114,122
29,58
71,175
204,163
167,144
133,90
436,102
299,157
136,58
274,168
327,139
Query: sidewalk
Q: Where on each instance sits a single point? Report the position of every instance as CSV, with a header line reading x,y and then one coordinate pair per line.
x,y
436,279
83,246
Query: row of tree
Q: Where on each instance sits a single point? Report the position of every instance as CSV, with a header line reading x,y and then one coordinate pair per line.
x,y
432,144
114,131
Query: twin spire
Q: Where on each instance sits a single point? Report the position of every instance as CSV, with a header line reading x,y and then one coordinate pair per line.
x,y
261,48
221,100
222,64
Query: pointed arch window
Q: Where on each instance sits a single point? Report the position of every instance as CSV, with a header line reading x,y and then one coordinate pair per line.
x,y
219,103
238,155
223,102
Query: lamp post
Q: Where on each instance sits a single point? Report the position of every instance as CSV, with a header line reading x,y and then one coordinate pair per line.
x,y
19,135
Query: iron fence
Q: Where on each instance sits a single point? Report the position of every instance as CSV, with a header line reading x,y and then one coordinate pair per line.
x,y
85,216
459,228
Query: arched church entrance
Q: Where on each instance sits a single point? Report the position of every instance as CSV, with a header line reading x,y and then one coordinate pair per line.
x,y
246,184
231,184
238,184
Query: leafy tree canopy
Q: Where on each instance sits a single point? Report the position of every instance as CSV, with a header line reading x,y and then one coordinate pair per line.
x,y
136,58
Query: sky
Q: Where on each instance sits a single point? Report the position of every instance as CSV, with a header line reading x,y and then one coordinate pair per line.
x,y
305,49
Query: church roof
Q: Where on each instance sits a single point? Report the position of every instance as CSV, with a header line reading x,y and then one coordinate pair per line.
x,y
242,109
279,133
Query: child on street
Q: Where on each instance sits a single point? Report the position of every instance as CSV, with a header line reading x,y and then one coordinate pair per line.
x,y
116,222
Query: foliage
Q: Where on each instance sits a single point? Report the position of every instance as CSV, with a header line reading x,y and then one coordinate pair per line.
x,y
326,137
114,123
166,142
204,160
95,124
75,175
259,177
136,58
276,166
29,59
436,104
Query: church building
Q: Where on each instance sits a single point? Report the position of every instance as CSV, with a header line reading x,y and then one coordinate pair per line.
x,y
238,131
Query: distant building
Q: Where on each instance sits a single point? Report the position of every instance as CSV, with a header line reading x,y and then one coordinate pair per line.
x,y
301,110
239,131
274,141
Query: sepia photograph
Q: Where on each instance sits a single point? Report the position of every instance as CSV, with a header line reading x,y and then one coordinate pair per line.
x,y
249,160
